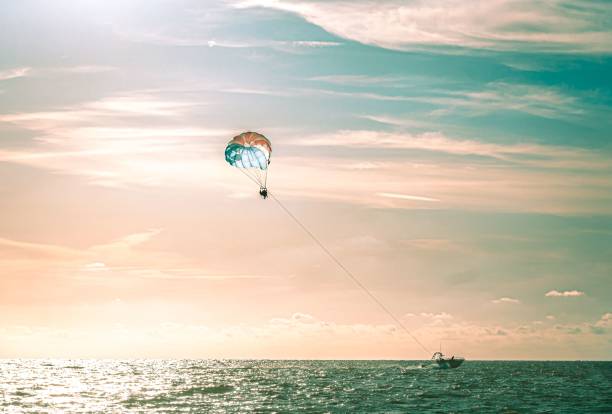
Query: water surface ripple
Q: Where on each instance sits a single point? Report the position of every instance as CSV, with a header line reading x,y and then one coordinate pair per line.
x,y
233,386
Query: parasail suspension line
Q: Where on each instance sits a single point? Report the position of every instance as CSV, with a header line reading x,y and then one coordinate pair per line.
x,y
248,176
348,272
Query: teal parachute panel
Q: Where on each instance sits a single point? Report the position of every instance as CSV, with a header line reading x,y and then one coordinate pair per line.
x,y
246,157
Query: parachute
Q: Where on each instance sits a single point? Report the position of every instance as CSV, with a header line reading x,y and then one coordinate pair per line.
x,y
250,152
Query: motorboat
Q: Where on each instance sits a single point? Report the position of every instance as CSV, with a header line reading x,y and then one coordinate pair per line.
x,y
445,362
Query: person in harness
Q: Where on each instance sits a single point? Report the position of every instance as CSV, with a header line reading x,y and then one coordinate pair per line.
x,y
263,192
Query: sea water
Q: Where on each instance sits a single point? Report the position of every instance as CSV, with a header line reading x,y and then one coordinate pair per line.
x,y
263,386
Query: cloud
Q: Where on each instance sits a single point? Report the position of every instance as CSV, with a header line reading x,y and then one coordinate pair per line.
x,y
191,274
125,105
129,256
433,141
407,197
16,249
404,122
302,92
141,138
136,239
80,69
437,316
430,318
545,102
105,145
133,138
526,64
93,258
452,171
301,335
303,317
95,266
557,26
133,259
433,245
159,38
258,91
566,294
536,100
30,72
602,326
364,80
14,73
506,300
314,43
541,101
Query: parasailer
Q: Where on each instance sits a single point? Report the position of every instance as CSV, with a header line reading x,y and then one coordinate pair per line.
x,y
250,152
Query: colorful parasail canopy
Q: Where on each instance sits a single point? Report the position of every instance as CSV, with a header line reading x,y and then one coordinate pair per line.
x,y
250,150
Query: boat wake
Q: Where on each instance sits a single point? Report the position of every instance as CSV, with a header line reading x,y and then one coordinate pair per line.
x,y
416,367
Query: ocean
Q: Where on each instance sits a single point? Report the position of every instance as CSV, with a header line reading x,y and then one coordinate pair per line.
x,y
264,386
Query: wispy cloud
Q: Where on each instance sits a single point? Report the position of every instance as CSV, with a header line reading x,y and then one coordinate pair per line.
x,y
564,294
14,73
434,245
525,64
363,80
541,101
506,300
546,102
111,142
432,141
125,257
314,43
45,71
407,197
35,251
473,171
79,69
437,316
258,91
559,26
168,39
494,97
398,121
109,109
537,100
162,38
172,274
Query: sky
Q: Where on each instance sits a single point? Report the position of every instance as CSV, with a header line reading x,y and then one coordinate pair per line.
x,y
455,157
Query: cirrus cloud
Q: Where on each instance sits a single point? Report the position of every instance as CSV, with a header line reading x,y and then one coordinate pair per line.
x,y
506,300
559,26
565,294
14,73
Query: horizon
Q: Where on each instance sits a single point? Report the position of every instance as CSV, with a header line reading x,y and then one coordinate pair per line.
x,y
458,164
296,359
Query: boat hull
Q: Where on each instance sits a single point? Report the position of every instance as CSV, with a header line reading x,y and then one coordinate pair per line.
x,y
448,363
